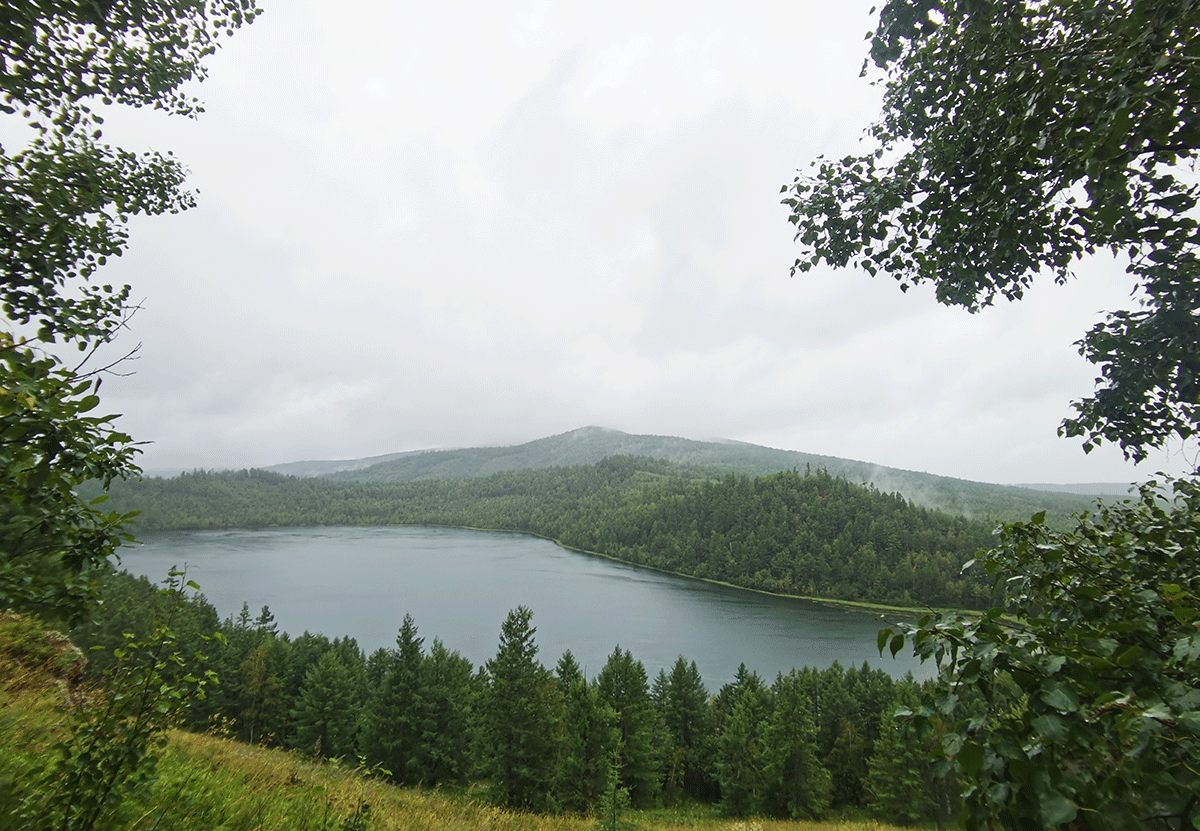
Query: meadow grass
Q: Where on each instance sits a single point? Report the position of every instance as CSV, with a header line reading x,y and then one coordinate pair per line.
x,y
210,783
206,783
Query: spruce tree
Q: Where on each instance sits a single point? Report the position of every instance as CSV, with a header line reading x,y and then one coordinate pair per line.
x,y
798,784
325,712
742,759
590,739
260,692
614,799
518,720
449,692
682,703
394,722
623,686
900,780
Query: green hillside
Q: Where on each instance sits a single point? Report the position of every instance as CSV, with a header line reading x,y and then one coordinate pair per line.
x,y
810,534
590,445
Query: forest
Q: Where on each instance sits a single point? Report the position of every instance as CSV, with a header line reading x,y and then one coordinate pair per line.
x,y
809,534
543,739
1017,140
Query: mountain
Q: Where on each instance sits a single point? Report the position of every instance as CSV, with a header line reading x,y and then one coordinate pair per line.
x,y
1113,489
312,469
589,445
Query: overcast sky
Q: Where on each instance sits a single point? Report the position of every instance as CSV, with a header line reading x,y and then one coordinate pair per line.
x,y
465,223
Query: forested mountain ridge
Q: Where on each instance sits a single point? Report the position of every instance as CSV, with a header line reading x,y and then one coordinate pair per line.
x,y
589,445
810,534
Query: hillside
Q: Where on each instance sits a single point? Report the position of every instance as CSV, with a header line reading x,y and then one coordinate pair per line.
x,y
202,781
589,445
788,532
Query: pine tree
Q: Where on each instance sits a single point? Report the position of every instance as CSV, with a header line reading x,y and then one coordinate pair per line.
x,y
325,712
518,720
589,739
798,784
623,686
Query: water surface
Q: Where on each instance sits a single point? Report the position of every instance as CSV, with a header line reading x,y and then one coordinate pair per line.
x,y
459,585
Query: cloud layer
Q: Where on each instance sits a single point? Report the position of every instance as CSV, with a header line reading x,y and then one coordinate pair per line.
x,y
455,224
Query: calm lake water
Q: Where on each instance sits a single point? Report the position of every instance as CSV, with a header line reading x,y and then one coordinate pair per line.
x,y
459,585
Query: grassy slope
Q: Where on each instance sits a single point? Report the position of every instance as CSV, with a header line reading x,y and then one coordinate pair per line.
x,y
204,783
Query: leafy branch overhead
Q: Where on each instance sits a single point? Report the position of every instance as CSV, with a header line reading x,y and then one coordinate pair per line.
x,y
65,197
65,200
1078,704
1016,139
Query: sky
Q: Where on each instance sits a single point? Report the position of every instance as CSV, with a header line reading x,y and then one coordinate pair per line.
x,y
454,224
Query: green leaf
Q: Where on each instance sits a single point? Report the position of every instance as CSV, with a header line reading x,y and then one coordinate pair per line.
x,y
1059,697
1055,809
971,758
1128,657
1051,728
1189,722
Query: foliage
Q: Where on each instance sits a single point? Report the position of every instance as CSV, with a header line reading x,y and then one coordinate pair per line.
x,y
1083,706
65,200
110,743
66,197
1018,137
798,533
518,718
51,541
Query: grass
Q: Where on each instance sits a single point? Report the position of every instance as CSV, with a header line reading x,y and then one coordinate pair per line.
x,y
215,784
208,783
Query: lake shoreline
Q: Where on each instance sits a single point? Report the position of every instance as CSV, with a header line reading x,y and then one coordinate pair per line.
x,y
911,612
360,580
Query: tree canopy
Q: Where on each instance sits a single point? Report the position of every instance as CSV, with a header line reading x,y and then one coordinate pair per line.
x,y
1017,138
65,200
1080,708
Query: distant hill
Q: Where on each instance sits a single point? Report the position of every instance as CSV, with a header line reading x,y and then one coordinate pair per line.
x,y
1116,489
312,469
589,445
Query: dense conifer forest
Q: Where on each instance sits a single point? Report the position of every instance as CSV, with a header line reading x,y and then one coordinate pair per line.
x,y
545,738
809,533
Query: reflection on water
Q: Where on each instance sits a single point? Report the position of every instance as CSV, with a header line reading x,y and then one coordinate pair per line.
x,y
459,585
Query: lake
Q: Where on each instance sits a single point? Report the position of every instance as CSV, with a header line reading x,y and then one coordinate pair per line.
x,y
459,585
